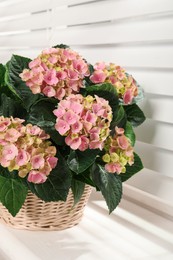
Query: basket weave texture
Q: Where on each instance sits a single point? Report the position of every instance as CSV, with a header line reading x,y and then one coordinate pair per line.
x,y
36,214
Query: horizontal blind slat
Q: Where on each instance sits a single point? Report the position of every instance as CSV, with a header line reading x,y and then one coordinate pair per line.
x,y
116,33
5,55
155,158
29,22
23,7
12,8
150,56
30,39
156,133
150,182
157,107
149,79
110,10
148,200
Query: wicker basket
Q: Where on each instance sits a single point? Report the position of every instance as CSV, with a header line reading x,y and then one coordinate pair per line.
x,y
36,214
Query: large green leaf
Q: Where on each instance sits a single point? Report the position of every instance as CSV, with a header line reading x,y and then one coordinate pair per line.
x,y
56,186
77,189
12,194
134,114
19,89
106,91
109,184
79,161
41,114
133,169
8,107
130,133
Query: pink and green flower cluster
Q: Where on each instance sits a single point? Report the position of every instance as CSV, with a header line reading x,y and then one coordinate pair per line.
x,y
26,149
119,152
125,84
85,121
56,73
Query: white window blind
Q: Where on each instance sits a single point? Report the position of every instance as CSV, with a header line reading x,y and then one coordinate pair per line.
x,y
136,34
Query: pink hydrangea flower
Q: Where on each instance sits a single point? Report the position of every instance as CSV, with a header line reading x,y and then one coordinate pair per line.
x,y
118,152
12,135
85,121
113,167
98,77
62,126
50,77
36,177
56,73
9,152
128,96
125,84
22,158
52,161
49,91
37,161
26,149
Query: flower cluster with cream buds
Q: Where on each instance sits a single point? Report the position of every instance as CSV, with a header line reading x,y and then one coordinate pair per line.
x,y
119,152
85,121
125,84
26,149
56,72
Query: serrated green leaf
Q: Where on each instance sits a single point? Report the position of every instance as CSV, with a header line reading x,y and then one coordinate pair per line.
x,y
19,89
12,194
109,184
79,161
57,185
130,133
77,189
133,169
134,115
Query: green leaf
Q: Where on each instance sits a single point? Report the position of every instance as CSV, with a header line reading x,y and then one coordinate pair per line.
x,y
134,115
133,169
18,87
79,161
109,184
56,186
4,172
119,118
77,189
130,133
106,91
41,114
61,46
85,177
2,74
12,194
8,107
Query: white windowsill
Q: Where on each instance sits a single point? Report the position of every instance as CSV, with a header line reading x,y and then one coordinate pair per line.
x,y
131,232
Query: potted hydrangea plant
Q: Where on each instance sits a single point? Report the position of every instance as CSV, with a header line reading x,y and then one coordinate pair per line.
x,y
65,126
